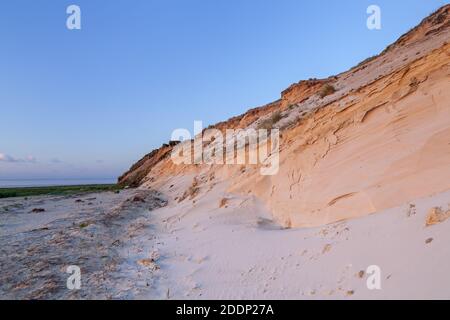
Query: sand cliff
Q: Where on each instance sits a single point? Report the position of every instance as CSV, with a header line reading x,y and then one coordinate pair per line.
x,y
379,139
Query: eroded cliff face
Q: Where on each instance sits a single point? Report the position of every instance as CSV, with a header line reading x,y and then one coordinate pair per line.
x,y
350,160
137,173
379,139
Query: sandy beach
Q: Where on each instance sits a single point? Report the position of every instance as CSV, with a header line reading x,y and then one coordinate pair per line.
x,y
126,250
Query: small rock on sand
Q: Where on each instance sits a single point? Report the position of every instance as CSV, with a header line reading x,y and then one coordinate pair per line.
x,y
154,255
223,203
149,263
38,210
138,199
436,215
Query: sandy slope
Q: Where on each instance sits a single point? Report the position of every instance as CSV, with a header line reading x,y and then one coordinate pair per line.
x,y
238,252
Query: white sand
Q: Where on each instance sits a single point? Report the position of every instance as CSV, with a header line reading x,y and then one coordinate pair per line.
x,y
237,253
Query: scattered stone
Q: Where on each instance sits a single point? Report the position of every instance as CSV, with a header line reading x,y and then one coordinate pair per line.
x,y
154,255
223,203
38,210
138,199
361,274
429,240
34,262
436,215
411,210
149,263
40,229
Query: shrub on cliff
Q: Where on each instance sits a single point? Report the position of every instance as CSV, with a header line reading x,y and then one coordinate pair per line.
x,y
326,90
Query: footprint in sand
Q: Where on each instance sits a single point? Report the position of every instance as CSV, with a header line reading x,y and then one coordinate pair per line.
x,y
326,248
197,258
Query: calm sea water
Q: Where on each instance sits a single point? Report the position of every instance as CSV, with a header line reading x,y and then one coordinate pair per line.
x,y
5,183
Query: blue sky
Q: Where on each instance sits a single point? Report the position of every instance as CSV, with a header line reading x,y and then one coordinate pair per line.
x,y
88,103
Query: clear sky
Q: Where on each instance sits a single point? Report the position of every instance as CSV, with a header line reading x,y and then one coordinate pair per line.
x,y
88,103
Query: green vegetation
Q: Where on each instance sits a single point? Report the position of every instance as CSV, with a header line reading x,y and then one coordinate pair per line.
x,y
58,190
84,225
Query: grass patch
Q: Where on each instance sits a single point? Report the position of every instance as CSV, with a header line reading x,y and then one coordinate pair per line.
x,y
84,225
58,190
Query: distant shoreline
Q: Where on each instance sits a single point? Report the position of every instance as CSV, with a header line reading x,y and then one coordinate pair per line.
x,y
12,192
26,183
